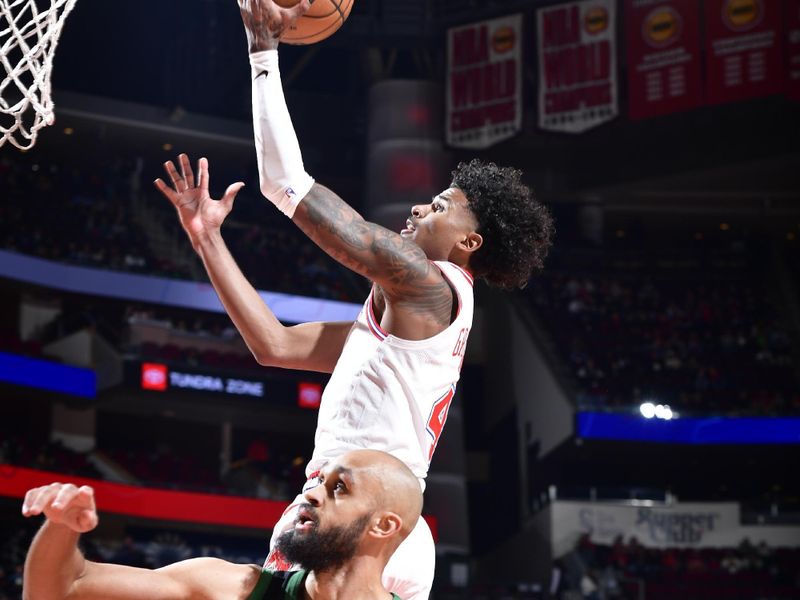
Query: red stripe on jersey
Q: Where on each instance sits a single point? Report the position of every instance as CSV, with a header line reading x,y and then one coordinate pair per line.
x,y
372,322
452,285
466,273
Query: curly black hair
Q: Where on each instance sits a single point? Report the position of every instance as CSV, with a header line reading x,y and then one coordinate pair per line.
x,y
517,230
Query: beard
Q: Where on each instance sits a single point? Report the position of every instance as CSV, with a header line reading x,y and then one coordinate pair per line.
x,y
323,550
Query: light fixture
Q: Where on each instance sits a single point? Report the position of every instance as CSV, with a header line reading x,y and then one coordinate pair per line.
x,y
648,410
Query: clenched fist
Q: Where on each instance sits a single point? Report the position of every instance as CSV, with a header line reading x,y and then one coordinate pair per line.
x,y
63,504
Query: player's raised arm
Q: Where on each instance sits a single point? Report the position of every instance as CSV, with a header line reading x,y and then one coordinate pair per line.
x,y
308,346
399,266
56,570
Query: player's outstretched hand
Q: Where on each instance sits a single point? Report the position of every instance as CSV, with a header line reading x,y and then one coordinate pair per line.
x,y
265,21
63,504
199,213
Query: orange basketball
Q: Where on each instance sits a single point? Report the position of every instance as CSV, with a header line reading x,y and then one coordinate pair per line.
x,y
321,21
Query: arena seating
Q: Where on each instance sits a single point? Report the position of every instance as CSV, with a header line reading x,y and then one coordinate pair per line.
x,y
698,331
99,228
92,225
44,455
741,573
162,467
140,547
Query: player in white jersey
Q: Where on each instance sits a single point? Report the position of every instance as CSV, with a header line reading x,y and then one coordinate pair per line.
x,y
394,369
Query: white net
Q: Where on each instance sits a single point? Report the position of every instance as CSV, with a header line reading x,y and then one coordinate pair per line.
x,y
29,32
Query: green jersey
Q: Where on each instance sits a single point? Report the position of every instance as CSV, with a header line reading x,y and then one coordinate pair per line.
x,y
282,585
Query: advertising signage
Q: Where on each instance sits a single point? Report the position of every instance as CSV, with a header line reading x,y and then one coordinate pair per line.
x,y
286,391
159,377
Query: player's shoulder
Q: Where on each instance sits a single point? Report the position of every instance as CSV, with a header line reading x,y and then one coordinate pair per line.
x,y
454,273
279,584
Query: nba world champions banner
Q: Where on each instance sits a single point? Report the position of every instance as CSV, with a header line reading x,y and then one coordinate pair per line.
x,y
744,50
664,67
792,21
484,82
577,65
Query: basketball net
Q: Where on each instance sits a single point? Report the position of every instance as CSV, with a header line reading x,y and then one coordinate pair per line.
x,y
28,39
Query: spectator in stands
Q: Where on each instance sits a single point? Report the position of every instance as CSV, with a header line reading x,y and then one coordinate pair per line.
x,y
692,335
100,228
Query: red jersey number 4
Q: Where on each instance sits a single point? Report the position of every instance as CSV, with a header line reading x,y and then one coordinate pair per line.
x,y
438,418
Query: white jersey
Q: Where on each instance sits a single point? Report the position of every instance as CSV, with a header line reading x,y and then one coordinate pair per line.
x,y
392,394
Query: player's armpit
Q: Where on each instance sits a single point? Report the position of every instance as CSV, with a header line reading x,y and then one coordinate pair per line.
x,y
399,266
195,579
309,346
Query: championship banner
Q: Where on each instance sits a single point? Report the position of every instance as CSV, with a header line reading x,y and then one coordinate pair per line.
x,y
792,20
743,49
484,82
663,39
577,65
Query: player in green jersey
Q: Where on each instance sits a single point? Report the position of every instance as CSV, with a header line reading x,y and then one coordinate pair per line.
x,y
365,505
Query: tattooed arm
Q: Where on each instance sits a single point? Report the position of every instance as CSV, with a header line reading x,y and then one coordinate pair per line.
x,y
414,289
409,281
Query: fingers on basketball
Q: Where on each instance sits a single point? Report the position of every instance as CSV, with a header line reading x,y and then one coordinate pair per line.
x,y
312,23
300,9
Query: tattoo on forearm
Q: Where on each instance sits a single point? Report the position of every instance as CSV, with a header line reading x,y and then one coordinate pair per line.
x,y
372,250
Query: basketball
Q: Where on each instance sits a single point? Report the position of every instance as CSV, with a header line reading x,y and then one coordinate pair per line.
x,y
322,20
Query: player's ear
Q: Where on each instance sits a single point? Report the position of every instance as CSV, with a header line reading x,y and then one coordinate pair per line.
x,y
471,242
386,525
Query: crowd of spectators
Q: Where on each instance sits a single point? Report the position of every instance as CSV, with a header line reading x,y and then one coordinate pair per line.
x,y
51,456
137,548
14,542
86,216
71,215
184,337
258,473
629,569
146,332
698,335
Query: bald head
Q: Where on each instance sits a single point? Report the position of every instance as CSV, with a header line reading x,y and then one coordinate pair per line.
x,y
365,503
396,489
